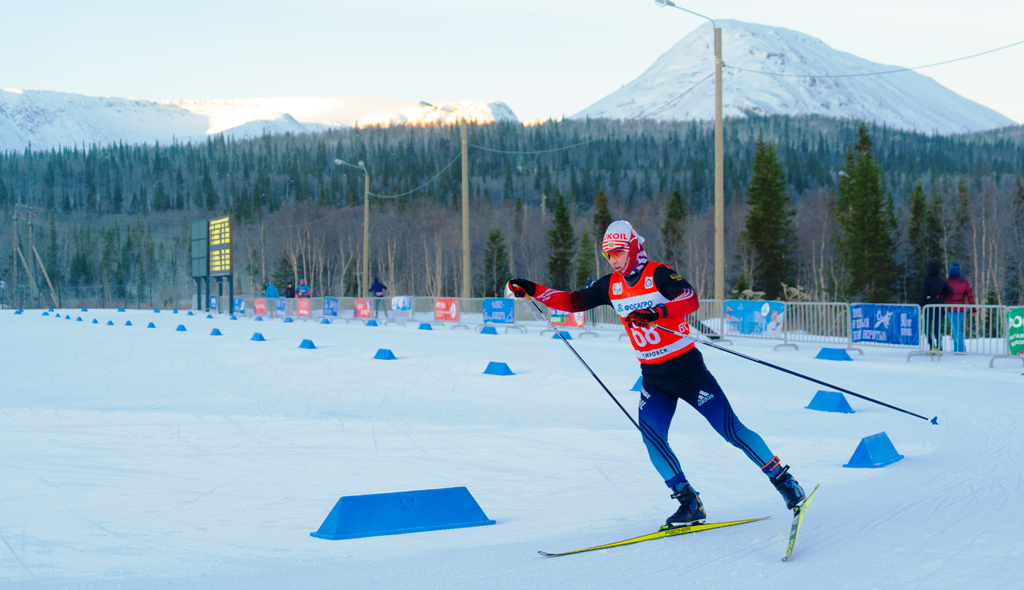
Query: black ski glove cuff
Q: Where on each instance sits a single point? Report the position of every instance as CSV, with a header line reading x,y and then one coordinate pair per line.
x,y
522,287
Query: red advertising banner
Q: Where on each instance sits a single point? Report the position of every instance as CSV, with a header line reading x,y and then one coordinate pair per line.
x,y
446,309
260,306
568,319
363,308
302,307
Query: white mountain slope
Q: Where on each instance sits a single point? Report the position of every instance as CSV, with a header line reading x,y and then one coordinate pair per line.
x,y
904,100
46,119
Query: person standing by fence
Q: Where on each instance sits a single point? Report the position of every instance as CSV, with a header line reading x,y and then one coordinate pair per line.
x,y
271,291
934,291
961,292
377,290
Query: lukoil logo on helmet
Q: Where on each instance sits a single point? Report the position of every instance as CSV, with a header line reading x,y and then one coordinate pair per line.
x,y
616,236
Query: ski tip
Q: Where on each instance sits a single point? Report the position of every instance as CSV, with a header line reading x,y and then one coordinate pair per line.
x,y
546,554
935,420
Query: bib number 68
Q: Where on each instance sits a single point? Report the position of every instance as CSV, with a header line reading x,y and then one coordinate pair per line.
x,y
645,337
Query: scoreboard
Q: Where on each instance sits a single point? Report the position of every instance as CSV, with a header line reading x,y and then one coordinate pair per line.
x,y
220,246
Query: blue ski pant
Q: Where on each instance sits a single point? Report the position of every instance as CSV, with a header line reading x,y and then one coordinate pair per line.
x,y
666,383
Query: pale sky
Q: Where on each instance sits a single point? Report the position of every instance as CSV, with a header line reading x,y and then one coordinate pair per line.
x,y
545,58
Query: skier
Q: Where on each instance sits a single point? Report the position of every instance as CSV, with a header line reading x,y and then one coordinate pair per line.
x,y
643,293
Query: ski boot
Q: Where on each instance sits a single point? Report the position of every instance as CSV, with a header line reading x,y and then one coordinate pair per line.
x,y
691,510
791,491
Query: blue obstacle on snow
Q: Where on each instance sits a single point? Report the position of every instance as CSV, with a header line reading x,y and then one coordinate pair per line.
x,y
494,368
371,323
288,320
67,317
19,312
110,322
385,354
216,332
234,318
56,315
84,309
180,328
209,316
374,515
567,335
120,309
95,321
830,401
46,313
258,337
325,321
175,311
79,318
128,323
307,344
156,311
425,327
50,310
150,325
638,385
874,451
259,319
489,330
833,354
190,313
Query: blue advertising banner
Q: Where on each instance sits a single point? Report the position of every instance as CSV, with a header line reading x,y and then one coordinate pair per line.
x,y
499,311
281,304
754,318
401,306
331,307
885,324
213,303
239,305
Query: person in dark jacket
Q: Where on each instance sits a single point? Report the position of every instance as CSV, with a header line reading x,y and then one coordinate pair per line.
x,y
377,289
289,291
961,292
934,291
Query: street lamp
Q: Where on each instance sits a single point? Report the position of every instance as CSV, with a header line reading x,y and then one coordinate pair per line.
x,y
465,198
719,157
366,222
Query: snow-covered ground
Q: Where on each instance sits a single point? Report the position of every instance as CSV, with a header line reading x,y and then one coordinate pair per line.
x,y
138,458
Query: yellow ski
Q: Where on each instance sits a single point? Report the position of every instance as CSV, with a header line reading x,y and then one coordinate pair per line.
x,y
798,519
658,535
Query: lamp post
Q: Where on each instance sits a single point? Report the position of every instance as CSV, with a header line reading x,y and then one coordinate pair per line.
x,y
719,157
466,281
366,222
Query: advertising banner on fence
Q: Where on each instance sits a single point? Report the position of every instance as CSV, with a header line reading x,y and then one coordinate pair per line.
x,y
567,319
259,306
446,309
754,318
213,303
239,306
1015,322
499,311
401,307
364,309
885,324
331,307
302,307
282,305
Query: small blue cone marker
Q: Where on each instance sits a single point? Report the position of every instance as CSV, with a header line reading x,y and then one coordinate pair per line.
x,y
50,310
873,452
56,315
180,328
95,321
234,318
110,322
156,311
567,335
425,327
120,310
494,368
489,330
308,345
373,515
833,354
175,311
325,321
150,325
84,309
20,311
288,321
67,317
46,313
79,319
209,317
258,337
830,401
638,385
371,323
384,354
259,318
128,323
216,332
190,313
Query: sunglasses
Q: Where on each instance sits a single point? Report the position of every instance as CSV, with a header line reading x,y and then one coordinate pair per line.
x,y
614,253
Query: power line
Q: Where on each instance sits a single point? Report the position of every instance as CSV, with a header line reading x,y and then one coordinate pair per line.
x,y
896,71
662,107
487,149
422,185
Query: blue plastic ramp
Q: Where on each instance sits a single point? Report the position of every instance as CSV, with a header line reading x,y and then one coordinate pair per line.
x,y
830,401
874,451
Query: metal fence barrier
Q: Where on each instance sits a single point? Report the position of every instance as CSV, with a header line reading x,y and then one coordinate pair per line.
x,y
823,323
964,330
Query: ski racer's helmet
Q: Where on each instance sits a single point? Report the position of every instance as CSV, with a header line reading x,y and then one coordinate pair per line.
x,y
621,235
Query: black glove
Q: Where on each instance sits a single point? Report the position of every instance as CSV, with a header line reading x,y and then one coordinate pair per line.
x,y
522,287
643,318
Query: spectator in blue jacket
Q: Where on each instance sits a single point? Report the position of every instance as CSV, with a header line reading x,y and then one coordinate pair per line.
x,y
271,291
377,289
303,289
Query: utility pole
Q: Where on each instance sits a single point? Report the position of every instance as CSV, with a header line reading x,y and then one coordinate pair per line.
x,y
14,251
465,212
366,232
31,263
719,174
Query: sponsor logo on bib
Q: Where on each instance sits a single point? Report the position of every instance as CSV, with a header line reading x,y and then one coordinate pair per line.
x,y
649,283
617,289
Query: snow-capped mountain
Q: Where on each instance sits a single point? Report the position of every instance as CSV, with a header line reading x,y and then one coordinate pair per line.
x,y
45,119
780,83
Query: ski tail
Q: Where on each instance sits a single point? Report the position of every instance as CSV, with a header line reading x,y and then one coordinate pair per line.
x,y
658,535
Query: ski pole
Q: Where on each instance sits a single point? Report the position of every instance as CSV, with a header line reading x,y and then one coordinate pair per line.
x,y
934,420
578,357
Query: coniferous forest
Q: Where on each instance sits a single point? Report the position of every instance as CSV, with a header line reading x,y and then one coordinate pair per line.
x,y
832,209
